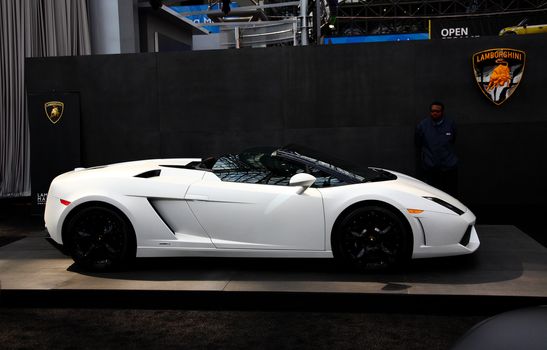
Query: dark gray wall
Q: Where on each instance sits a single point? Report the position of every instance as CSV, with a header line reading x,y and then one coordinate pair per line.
x,y
356,101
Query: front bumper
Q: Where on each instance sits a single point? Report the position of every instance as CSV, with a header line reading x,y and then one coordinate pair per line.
x,y
447,235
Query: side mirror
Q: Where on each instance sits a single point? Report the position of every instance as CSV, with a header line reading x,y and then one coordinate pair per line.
x,y
303,180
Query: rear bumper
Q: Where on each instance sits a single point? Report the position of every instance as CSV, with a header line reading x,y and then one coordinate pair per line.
x,y
52,215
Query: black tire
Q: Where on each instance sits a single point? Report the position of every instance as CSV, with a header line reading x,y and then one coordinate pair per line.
x,y
100,239
510,33
372,238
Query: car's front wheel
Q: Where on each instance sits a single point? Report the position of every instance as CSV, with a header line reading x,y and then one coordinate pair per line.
x,y
100,239
372,238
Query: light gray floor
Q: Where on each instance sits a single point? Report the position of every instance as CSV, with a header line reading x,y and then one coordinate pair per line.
x,y
508,263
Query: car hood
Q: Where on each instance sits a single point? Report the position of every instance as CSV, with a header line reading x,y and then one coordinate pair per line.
x,y
419,188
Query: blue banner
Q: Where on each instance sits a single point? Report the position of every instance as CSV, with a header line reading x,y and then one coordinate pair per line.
x,y
202,18
374,38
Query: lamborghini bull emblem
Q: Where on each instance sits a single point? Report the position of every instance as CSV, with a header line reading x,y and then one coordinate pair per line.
x,y
54,110
498,72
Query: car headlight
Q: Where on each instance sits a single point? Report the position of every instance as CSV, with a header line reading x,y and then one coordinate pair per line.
x,y
446,205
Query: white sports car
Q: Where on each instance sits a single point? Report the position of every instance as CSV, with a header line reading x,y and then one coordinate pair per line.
x,y
263,202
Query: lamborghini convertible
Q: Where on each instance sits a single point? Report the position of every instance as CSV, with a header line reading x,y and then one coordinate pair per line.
x,y
263,202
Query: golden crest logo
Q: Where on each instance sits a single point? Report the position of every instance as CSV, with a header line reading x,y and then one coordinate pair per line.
x,y
498,72
54,110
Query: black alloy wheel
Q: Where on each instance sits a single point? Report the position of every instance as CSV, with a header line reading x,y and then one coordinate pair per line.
x,y
100,239
372,238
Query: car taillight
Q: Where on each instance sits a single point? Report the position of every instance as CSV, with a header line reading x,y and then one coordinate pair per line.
x,y
64,202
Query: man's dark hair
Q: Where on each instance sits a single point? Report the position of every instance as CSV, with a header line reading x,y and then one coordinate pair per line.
x,y
437,103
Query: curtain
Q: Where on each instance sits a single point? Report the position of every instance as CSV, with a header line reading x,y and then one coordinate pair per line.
x,y
30,28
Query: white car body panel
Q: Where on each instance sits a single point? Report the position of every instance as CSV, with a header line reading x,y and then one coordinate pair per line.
x,y
187,212
256,216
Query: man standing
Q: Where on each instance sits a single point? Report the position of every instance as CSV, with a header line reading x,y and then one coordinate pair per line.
x,y
435,137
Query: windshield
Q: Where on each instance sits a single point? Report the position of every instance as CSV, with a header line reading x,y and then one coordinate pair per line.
x,y
350,172
275,166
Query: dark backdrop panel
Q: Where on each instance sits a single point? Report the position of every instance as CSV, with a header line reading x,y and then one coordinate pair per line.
x,y
503,163
55,143
119,102
388,147
214,142
54,74
444,71
222,90
356,101
119,108
350,85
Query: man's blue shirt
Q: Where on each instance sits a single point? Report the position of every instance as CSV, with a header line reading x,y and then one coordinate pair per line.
x,y
436,141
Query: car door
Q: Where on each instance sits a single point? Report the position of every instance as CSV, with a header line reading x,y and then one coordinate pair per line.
x,y
258,216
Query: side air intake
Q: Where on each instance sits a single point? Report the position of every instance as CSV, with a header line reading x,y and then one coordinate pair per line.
x,y
149,174
466,236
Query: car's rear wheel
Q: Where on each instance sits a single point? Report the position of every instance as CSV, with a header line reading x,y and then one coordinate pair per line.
x,y
100,239
372,238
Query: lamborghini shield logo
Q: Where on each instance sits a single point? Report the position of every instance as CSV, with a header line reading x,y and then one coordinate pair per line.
x,y
54,110
498,72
